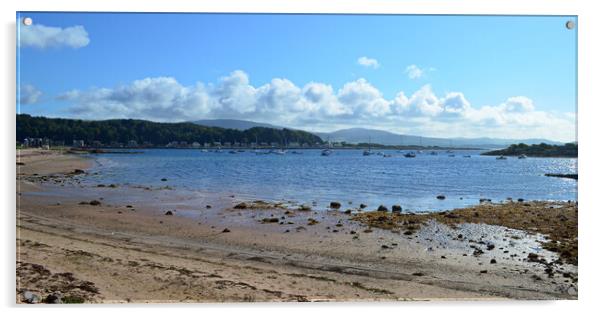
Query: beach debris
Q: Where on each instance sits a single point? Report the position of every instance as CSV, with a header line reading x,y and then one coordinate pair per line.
x,y
311,221
335,205
382,208
30,297
441,197
240,206
169,213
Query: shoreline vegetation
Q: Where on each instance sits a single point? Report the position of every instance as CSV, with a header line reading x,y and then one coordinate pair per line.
x,y
78,244
568,150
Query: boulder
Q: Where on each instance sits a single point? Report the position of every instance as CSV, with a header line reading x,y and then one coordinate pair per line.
x,y
270,220
30,297
396,209
54,298
335,205
382,208
163,179
363,206
440,197
225,230
95,202
240,206
169,213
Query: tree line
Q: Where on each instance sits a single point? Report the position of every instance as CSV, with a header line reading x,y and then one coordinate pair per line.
x,y
537,150
141,131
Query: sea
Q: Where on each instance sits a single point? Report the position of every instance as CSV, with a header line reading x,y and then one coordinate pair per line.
x,y
463,177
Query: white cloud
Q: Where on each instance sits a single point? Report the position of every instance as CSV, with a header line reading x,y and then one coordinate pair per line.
x,y
41,36
368,62
319,106
28,94
415,72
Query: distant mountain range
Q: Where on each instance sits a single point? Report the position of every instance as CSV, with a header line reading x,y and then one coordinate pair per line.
x,y
363,135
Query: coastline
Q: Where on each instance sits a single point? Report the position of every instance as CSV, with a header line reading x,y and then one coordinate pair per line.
x,y
115,253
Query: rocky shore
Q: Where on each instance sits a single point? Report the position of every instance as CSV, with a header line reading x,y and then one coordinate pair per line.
x,y
110,243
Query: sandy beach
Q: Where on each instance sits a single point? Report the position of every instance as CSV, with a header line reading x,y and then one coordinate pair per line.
x,y
111,243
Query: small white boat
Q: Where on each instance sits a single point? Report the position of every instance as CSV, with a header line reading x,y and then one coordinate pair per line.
x,y
410,155
280,152
326,152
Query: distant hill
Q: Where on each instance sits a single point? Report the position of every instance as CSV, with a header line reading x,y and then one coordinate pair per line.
x,y
538,150
362,135
240,125
123,131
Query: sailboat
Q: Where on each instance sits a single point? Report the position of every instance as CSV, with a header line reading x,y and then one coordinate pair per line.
x,y
368,152
327,151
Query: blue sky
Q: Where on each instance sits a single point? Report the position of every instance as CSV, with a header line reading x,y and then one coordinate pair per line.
x,y
458,75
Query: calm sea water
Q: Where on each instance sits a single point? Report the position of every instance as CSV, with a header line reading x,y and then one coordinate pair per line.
x,y
345,176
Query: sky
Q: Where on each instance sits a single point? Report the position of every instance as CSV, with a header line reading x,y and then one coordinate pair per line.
x,y
439,76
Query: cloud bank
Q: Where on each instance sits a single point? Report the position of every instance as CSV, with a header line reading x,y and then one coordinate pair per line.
x,y
29,94
319,107
41,36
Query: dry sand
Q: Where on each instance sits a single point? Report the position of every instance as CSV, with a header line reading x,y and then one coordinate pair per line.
x,y
125,249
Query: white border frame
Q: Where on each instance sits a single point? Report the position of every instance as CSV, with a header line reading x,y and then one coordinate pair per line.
x,y
589,96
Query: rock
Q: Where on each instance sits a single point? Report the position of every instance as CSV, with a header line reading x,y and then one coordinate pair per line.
x,y
95,202
352,232
30,297
418,274
163,179
112,185
225,230
207,206
521,200
348,211
490,246
382,208
101,186
169,213
304,208
367,231
483,271
384,247
396,209
311,221
460,236
240,206
452,215
440,197
335,205
54,298
493,261
533,257
477,252
78,171
128,206
270,220
363,206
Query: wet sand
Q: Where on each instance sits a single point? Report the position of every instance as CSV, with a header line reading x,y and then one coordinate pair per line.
x,y
126,249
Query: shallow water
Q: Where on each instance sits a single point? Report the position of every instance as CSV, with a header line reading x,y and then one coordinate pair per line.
x,y
345,176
